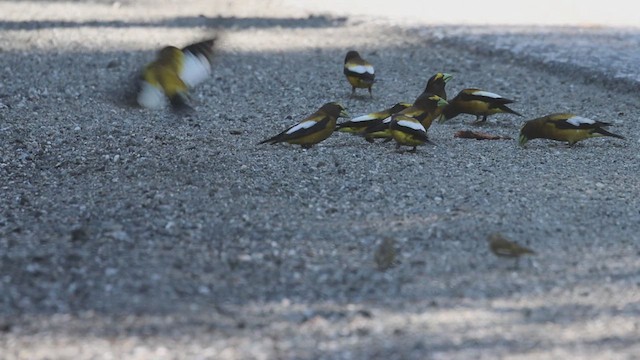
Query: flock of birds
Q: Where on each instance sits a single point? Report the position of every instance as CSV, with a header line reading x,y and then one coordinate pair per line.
x,y
175,71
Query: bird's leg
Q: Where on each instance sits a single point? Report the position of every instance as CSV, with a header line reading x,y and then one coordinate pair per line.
x,y
370,94
415,148
307,146
386,140
353,91
480,119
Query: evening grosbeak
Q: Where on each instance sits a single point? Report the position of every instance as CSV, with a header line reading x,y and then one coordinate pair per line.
x,y
476,102
359,124
359,72
312,129
173,73
563,127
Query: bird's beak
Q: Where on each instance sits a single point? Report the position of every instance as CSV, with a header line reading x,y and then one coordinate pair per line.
x,y
442,103
446,77
522,140
344,114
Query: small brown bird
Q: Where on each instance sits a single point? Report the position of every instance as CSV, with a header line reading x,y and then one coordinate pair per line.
x,y
563,127
502,247
312,129
477,102
359,72
385,254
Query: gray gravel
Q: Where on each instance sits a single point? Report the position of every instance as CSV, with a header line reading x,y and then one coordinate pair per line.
x,y
127,233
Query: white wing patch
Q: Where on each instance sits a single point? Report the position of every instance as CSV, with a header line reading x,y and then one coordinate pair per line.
x,y
387,120
362,118
411,125
150,96
303,125
196,69
579,120
487,94
361,69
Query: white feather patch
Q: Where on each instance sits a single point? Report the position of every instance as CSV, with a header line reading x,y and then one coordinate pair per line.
x,y
387,120
411,125
196,69
487,94
303,125
361,69
579,120
150,96
362,118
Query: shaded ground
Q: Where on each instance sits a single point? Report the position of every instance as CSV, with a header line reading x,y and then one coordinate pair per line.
x,y
126,233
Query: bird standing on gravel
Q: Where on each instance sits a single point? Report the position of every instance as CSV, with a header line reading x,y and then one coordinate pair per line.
x,y
424,110
173,73
502,247
563,127
312,129
476,102
359,72
408,131
360,123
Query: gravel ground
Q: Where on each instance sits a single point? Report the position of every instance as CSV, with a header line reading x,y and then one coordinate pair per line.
x,y
128,233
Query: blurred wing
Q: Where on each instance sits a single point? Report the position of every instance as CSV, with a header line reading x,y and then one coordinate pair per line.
x,y
196,69
150,96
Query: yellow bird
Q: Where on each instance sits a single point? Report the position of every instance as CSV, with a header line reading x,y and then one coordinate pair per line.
x,y
173,73
407,131
359,72
476,102
313,129
433,105
425,109
563,127
360,123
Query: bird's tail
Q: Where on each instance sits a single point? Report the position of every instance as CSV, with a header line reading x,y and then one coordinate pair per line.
x,y
180,102
604,132
506,109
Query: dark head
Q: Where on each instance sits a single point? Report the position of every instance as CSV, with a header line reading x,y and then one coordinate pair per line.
x,y
528,132
352,54
436,84
334,109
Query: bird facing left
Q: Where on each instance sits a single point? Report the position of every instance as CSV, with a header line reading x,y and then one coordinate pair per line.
x,y
313,129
